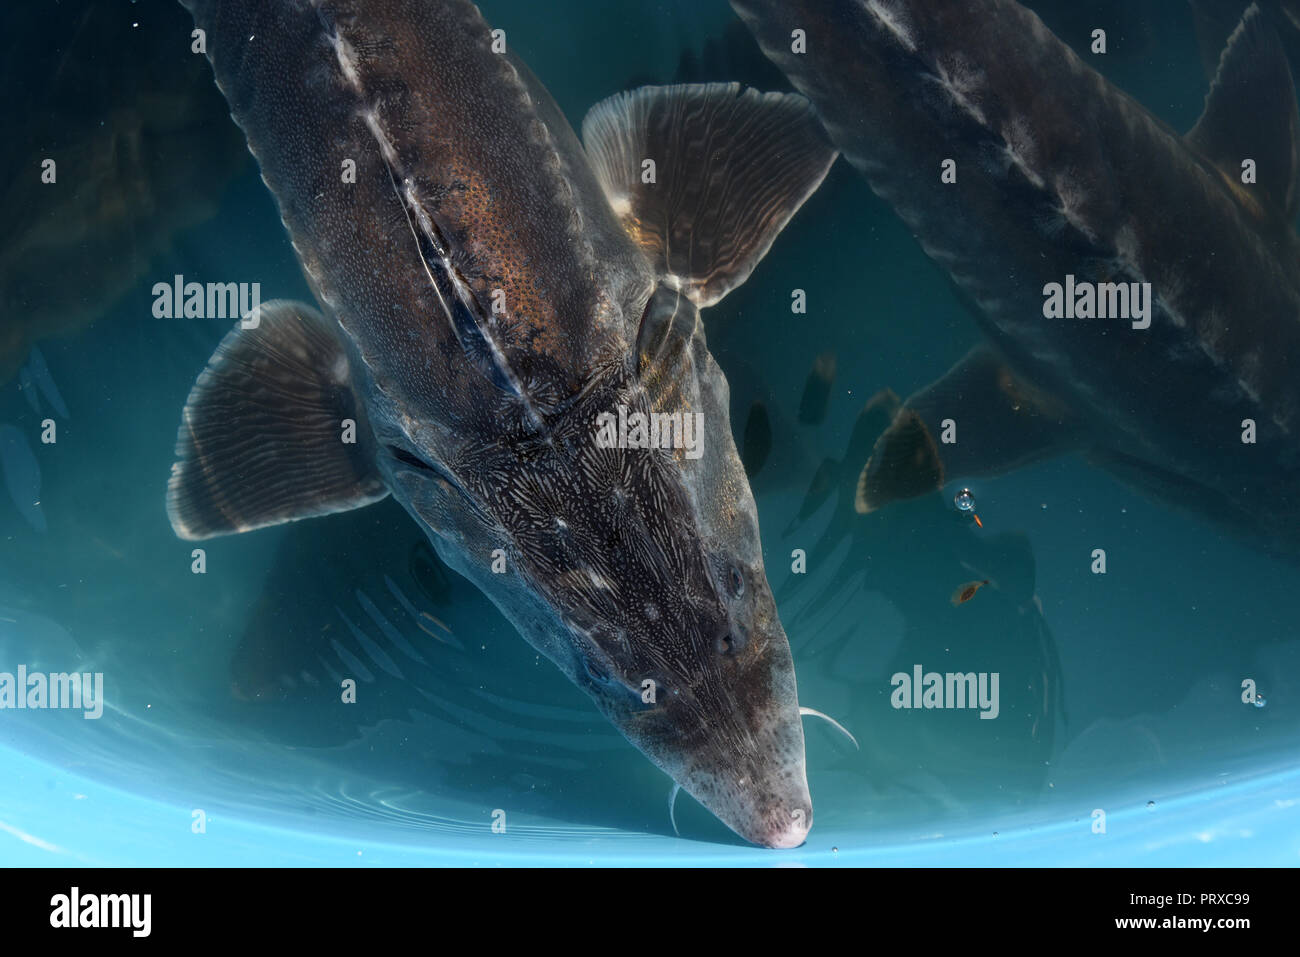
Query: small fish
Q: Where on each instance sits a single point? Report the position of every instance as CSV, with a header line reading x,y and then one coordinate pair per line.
x,y
817,390
966,592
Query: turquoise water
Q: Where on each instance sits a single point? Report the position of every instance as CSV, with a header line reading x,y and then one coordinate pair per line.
x,y
1119,692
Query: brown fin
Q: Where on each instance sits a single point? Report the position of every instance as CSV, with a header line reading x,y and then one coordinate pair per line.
x,y
261,437
964,593
870,424
904,464
1004,422
1250,113
1213,22
731,167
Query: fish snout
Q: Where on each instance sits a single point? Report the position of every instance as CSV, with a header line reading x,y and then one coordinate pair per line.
x,y
792,834
770,810
785,823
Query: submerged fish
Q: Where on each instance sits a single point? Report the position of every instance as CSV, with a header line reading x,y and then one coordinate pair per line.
x,y
964,593
817,390
141,153
1063,183
491,291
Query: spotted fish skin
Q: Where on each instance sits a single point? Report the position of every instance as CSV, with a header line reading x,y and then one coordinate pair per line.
x,y
486,298
459,174
1059,172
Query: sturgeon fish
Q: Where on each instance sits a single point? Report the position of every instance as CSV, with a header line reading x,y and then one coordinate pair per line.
x,y
1060,181
489,291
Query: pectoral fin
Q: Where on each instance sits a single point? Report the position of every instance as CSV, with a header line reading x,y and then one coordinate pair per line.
x,y
263,438
704,177
996,421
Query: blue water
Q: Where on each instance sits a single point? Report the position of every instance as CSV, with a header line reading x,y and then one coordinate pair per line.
x,y
1121,692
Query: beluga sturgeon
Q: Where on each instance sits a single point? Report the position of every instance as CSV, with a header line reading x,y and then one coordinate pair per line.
x,y
1139,289
489,291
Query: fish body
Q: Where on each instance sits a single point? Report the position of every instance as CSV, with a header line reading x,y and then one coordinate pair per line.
x,y
490,290
115,154
1058,180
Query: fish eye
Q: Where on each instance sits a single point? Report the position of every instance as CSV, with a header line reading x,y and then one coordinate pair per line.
x,y
736,580
595,672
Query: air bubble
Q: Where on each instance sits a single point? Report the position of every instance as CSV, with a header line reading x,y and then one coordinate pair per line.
x,y
965,501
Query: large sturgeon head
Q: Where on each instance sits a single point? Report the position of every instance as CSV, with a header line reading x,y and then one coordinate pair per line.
x,y
502,309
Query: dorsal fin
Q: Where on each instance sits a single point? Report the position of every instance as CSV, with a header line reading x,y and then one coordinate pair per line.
x,y
730,169
1009,422
1250,113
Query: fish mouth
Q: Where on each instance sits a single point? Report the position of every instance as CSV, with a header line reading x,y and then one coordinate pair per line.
x,y
792,835
757,788
754,782
776,814
783,827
